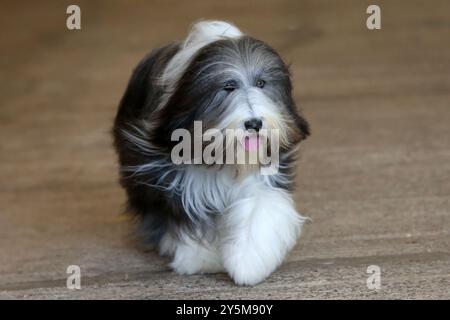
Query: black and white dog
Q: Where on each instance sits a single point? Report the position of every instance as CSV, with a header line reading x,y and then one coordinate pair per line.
x,y
221,216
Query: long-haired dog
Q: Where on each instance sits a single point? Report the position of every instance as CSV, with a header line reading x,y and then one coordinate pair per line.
x,y
219,217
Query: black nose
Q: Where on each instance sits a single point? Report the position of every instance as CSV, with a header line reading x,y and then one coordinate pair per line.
x,y
254,124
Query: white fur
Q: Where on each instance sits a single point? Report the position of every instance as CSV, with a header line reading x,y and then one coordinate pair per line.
x,y
257,222
256,229
201,34
258,232
252,102
204,190
191,256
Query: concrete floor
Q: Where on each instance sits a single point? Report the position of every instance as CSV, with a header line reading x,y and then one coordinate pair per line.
x,y
374,176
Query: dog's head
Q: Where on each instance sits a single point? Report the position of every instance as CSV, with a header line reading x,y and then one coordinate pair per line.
x,y
228,80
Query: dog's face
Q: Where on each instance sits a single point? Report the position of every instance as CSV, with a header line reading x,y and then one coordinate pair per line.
x,y
238,83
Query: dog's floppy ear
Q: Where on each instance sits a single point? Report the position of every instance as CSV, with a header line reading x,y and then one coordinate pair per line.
x,y
300,123
303,126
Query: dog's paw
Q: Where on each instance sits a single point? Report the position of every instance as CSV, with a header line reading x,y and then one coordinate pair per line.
x,y
247,265
194,265
243,274
193,258
257,235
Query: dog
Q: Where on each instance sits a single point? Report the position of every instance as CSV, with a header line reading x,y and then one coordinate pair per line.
x,y
222,216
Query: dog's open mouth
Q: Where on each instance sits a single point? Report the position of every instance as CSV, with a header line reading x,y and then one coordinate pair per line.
x,y
251,143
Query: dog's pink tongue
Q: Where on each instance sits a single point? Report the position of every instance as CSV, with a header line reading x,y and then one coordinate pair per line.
x,y
251,143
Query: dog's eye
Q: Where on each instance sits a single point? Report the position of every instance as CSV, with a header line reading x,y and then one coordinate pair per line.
x,y
230,85
260,83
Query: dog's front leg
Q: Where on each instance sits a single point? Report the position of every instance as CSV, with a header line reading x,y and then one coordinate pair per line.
x,y
257,233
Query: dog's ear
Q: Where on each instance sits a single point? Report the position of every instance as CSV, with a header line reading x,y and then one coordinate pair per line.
x,y
300,123
302,126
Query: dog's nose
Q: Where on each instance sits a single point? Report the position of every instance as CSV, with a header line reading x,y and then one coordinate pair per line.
x,y
254,124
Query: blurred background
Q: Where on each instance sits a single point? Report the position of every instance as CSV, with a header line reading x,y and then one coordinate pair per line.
x,y
374,176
